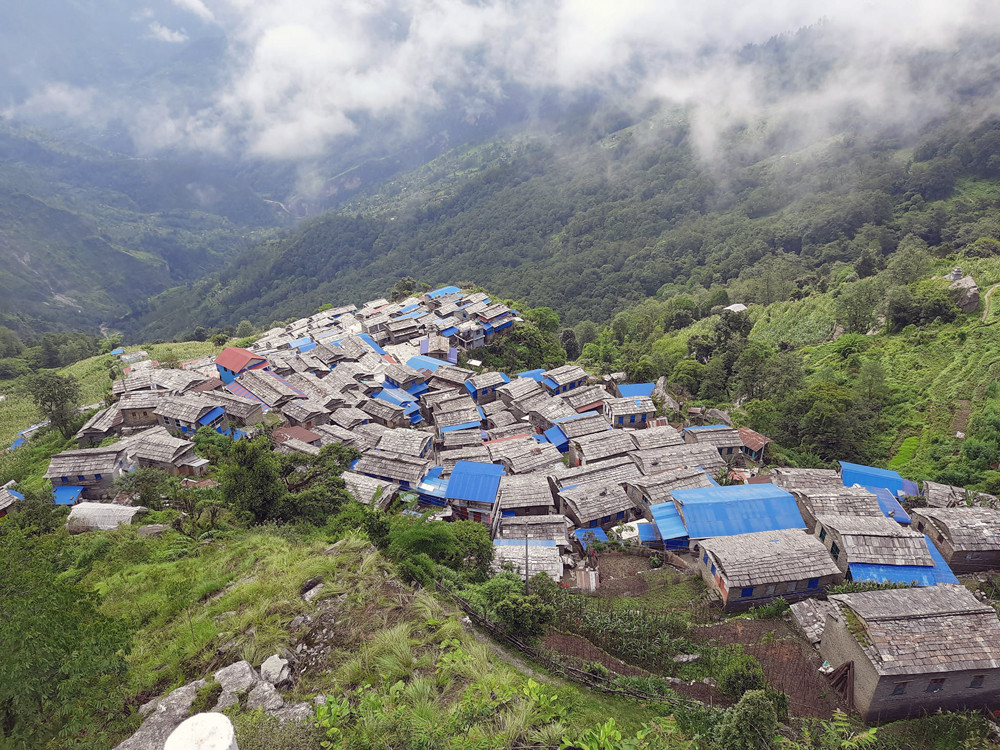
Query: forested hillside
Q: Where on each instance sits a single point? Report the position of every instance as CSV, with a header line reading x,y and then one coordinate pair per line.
x,y
85,233
591,224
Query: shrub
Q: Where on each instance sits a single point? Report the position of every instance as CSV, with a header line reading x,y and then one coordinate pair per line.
x,y
739,674
770,611
749,725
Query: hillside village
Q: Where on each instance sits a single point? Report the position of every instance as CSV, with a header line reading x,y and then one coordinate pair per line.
x,y
559,464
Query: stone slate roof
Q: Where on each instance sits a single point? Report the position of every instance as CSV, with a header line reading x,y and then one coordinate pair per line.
x,y
383,409
348,417
333,433
510,430
879,541
845,501
612,471
926,630
394,466
721,436
624,407
585,396
402,374
766,557
504,448
7,498
408,442
975,529
85,461
524,491
554,526
585,424
102,422
677,456
303,410
486,380
294,445
591,502
791,479
601,445
656,437
566,374
809,615
501,418
461,439
657,487
540,560
146,400
189,408
518,389
540,457
363,488
159,446
236,406
454,417
478,453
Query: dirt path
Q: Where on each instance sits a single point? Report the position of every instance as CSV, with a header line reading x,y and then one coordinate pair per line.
x,y
986,302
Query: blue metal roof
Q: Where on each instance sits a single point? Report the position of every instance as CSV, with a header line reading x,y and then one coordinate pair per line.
x,y
549,383
16,494
507,323
520,543
922,575
462,426
647,532
211,416
705,427
636,389
117,351
410,308
66,495
870,476
535,375
450,331
411,316
307,347
910,488
737,509
16,444
598,532
889,504
396,396
300,342
668,521
423,362
443,291
558,438
471,480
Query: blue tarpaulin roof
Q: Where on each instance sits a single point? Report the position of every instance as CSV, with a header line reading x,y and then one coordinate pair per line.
x,y
558,438
636,389
737,509
307,347
410,308
704,427
396,396
598,532
471,480
423,362
462,426
549,383
443,291
870,476
535,375
910,488
217,412
16,494
450,331
647,532
923,575
300,342
411,316
16,444
66,495
118,351
668,521
520,543
888,503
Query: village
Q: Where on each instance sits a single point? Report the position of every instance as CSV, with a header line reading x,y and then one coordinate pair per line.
x,y
559,463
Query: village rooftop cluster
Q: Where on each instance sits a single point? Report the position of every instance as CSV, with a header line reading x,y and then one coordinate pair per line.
x,y
551,461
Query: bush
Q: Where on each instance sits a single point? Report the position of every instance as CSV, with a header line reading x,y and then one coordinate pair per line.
x,y
523,616
597,669
740,674
770,611
749,725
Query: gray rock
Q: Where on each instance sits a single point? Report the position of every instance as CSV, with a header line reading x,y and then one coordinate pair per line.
x,y
313,592
152,530
265,696
663,397
719,416
167,714
147,708
275,670
236,678
319,700
965,293
309,584
686,658
296,712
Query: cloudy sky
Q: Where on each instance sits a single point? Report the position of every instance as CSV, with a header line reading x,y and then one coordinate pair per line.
x,y
300,75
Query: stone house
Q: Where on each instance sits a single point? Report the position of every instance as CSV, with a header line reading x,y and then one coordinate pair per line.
x,y
910,652
967,538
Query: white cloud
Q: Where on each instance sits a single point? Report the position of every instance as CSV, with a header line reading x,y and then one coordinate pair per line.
x,y
164,34
197,7
59,99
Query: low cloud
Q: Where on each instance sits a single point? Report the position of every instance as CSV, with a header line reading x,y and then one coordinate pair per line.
x,y
197,7
162,33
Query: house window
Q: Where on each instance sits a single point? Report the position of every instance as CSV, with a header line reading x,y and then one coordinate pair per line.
x,y
899,688
835,551
81,477
621,514
621,420
705,559
643,418
606,519
64,479
920,525
746,591
940,537
935,686
97,476
822,534
593,524
631,418
977,681
713,569
813,583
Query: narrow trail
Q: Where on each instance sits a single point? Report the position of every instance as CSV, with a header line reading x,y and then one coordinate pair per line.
x,y
986,302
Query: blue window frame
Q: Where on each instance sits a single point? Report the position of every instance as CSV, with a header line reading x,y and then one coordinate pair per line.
x,y
643,419
705,558
593,524
814,583
81,477
97,476
746,591
713,569
64,479
621,514
631,418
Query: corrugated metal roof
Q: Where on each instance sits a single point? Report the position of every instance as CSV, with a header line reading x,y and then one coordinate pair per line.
x,y
535,375
890,505
647,532
599,536
668,521
631,390
423,362
443,291
869,476
66,495
923,575
474,481
211,416
739,509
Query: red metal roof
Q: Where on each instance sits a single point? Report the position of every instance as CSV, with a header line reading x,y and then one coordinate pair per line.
x,y
235,358
282,434
752,440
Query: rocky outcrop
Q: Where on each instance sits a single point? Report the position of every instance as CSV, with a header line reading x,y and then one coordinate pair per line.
x,y
240,682
663,397
965,294
208,731
718,416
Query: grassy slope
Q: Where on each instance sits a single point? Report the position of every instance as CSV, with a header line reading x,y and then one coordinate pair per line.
x,y
938,374
201,606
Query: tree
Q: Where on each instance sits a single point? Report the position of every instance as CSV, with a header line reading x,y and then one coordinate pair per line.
x,y
911,261
865,265
250,481
859,305
569,343
404,288
10,343
219,339
870,384
147,486
751,369
56,398
244,329
523,616
474,548
545,318
749,725
586,332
